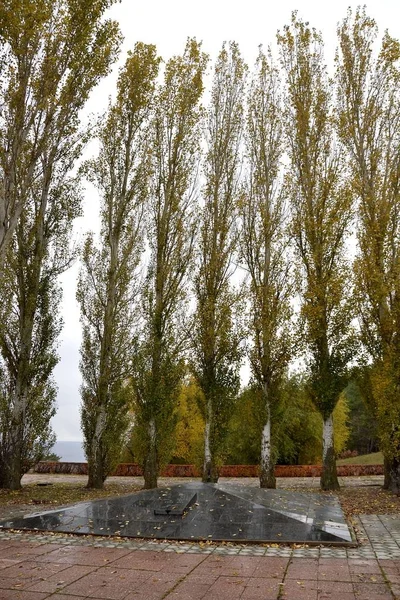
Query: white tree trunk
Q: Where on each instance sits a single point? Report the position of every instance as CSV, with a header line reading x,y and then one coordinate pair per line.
x,y
327,437
329,480
267,477
152,433
98,432
209,471
151,467
100,424
266,446
207,449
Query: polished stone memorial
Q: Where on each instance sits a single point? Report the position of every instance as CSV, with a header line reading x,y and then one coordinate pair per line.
x,y
198,511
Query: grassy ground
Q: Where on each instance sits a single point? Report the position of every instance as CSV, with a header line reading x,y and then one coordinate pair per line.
x,y
34,497
368,500
376,458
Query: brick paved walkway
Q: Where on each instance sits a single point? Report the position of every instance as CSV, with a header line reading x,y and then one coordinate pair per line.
x,y
39,570
42,566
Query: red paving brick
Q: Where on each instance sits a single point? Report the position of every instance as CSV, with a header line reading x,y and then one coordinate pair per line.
x,y
213,566
368,578
396,590
367,591
20,551
299,590
331,596
273,566
23,575
190,591
143,595
267,589
241,566
83,572
305,568
115,584
201,578
4,562
333,573
228,587
84,555
67,597
157,561
330,588
365,565
21,595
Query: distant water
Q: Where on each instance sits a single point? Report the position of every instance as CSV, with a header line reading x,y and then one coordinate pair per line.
x,y
69,451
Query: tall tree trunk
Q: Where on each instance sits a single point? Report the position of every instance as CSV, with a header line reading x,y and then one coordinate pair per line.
x,y
96,467
392,474
386,472
151,460
96,472
15,465
13,469
12,462
210,472
267,474
329,480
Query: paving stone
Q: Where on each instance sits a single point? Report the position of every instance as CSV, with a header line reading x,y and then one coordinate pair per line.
x,y
323,595
23,595
57,582
299,590
304,569
228,587
335,588
365,591
267,589
68,597
189,591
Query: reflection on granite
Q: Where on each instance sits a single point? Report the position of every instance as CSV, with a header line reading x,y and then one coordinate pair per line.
x,y
198,511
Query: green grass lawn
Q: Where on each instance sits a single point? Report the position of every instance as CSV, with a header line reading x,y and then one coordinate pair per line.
x,y
376,458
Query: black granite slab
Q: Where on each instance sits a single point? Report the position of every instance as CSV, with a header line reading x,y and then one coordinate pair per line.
x,y
175,502
197,511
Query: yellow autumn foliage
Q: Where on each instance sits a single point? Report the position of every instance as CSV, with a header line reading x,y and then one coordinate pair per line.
x,y
189,433
341,429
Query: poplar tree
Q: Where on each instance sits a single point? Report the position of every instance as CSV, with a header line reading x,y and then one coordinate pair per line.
x,y
216,339
52,54
109,282
30,322
369,125
170,225
321,206
264,243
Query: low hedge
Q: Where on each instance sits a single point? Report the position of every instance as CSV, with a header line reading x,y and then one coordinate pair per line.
x,y
134,470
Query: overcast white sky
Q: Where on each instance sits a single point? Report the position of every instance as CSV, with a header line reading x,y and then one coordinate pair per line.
x,y
167,23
